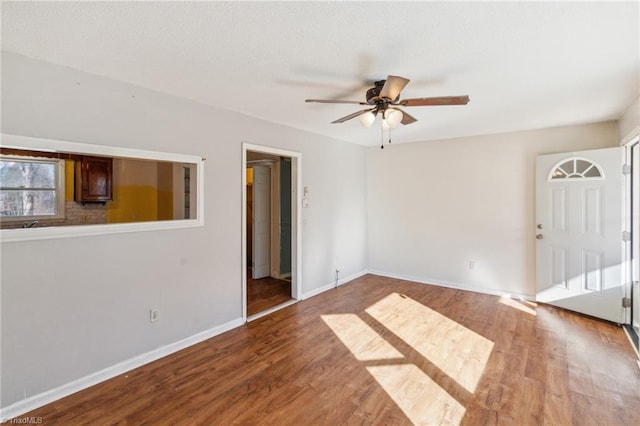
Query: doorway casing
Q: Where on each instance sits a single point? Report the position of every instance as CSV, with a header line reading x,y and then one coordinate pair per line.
x,y
631,144
296,223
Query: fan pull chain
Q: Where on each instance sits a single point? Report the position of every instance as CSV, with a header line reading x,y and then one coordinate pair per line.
x,y
381,137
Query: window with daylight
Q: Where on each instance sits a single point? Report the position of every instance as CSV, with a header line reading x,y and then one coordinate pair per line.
x,y
31,188
576,168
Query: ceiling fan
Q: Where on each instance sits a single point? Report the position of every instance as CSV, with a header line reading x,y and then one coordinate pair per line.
x,y
384,97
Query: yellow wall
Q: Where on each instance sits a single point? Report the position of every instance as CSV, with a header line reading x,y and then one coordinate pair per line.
x,y
69,181
250,176
135,192
133,204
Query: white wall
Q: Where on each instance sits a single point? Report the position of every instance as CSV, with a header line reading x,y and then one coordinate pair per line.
x,y
630,119
435,206
71,307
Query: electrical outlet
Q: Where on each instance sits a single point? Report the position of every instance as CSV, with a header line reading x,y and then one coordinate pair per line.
x,y
472,265
154,315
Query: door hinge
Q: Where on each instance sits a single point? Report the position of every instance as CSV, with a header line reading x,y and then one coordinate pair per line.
x,y
626,302
626,169
626,236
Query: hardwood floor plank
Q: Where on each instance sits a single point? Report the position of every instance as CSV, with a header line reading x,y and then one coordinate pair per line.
x,y
544,365
265,293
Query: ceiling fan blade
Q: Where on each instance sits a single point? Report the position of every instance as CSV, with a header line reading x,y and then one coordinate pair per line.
x,y
407,118
335,101
443,100
393,86
350,116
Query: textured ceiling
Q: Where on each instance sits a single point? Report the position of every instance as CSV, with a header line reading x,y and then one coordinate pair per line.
x,y
524,65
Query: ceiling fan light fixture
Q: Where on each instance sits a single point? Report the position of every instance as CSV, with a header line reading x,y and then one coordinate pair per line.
x,y
384,98
367,119
393,117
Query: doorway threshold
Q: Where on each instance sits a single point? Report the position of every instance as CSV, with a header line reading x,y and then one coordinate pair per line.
x,y
271,310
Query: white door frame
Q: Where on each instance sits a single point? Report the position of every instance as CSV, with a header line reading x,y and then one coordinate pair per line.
x,y
296,223
628,142
274,266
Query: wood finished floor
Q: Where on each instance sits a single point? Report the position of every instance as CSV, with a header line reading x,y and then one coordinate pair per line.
x,y
266,293
382,351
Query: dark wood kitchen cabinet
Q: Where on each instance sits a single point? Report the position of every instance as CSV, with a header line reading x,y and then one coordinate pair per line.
x,y
93,180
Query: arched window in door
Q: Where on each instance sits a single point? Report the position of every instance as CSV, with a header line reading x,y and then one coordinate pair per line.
x,y
575,168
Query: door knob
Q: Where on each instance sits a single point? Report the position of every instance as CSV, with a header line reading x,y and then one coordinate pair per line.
x,y
539,236
539,226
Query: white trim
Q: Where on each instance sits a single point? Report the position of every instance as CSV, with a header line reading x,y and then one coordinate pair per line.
x,y
626,228
411,278
41,399
243,233
628,143
52,145
457,286
629,137
47,233
266,163
296,225
328,287
274,244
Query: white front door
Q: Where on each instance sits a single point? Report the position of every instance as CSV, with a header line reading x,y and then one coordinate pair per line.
x,y
261,222
579,232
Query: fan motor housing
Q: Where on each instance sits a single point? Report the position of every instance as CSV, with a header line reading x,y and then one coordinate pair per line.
x,y
373,94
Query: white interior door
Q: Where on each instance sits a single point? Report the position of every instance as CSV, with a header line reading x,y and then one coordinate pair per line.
x,y
261,222
579,232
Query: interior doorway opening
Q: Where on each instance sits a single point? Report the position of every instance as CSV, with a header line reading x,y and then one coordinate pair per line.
x,y
271,249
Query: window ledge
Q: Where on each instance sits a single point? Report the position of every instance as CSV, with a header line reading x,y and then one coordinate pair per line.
x,y
55,232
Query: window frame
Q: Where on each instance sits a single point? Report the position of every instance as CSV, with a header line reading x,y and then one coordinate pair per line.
x,y
59,189
73,231
568,178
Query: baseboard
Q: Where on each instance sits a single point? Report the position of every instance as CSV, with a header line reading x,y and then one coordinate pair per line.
x,y
39,400
328,287
447,284
633,339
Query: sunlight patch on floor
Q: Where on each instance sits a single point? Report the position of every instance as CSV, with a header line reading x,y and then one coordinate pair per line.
x,y
419,397
455,350
363,342
521,305
459,352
